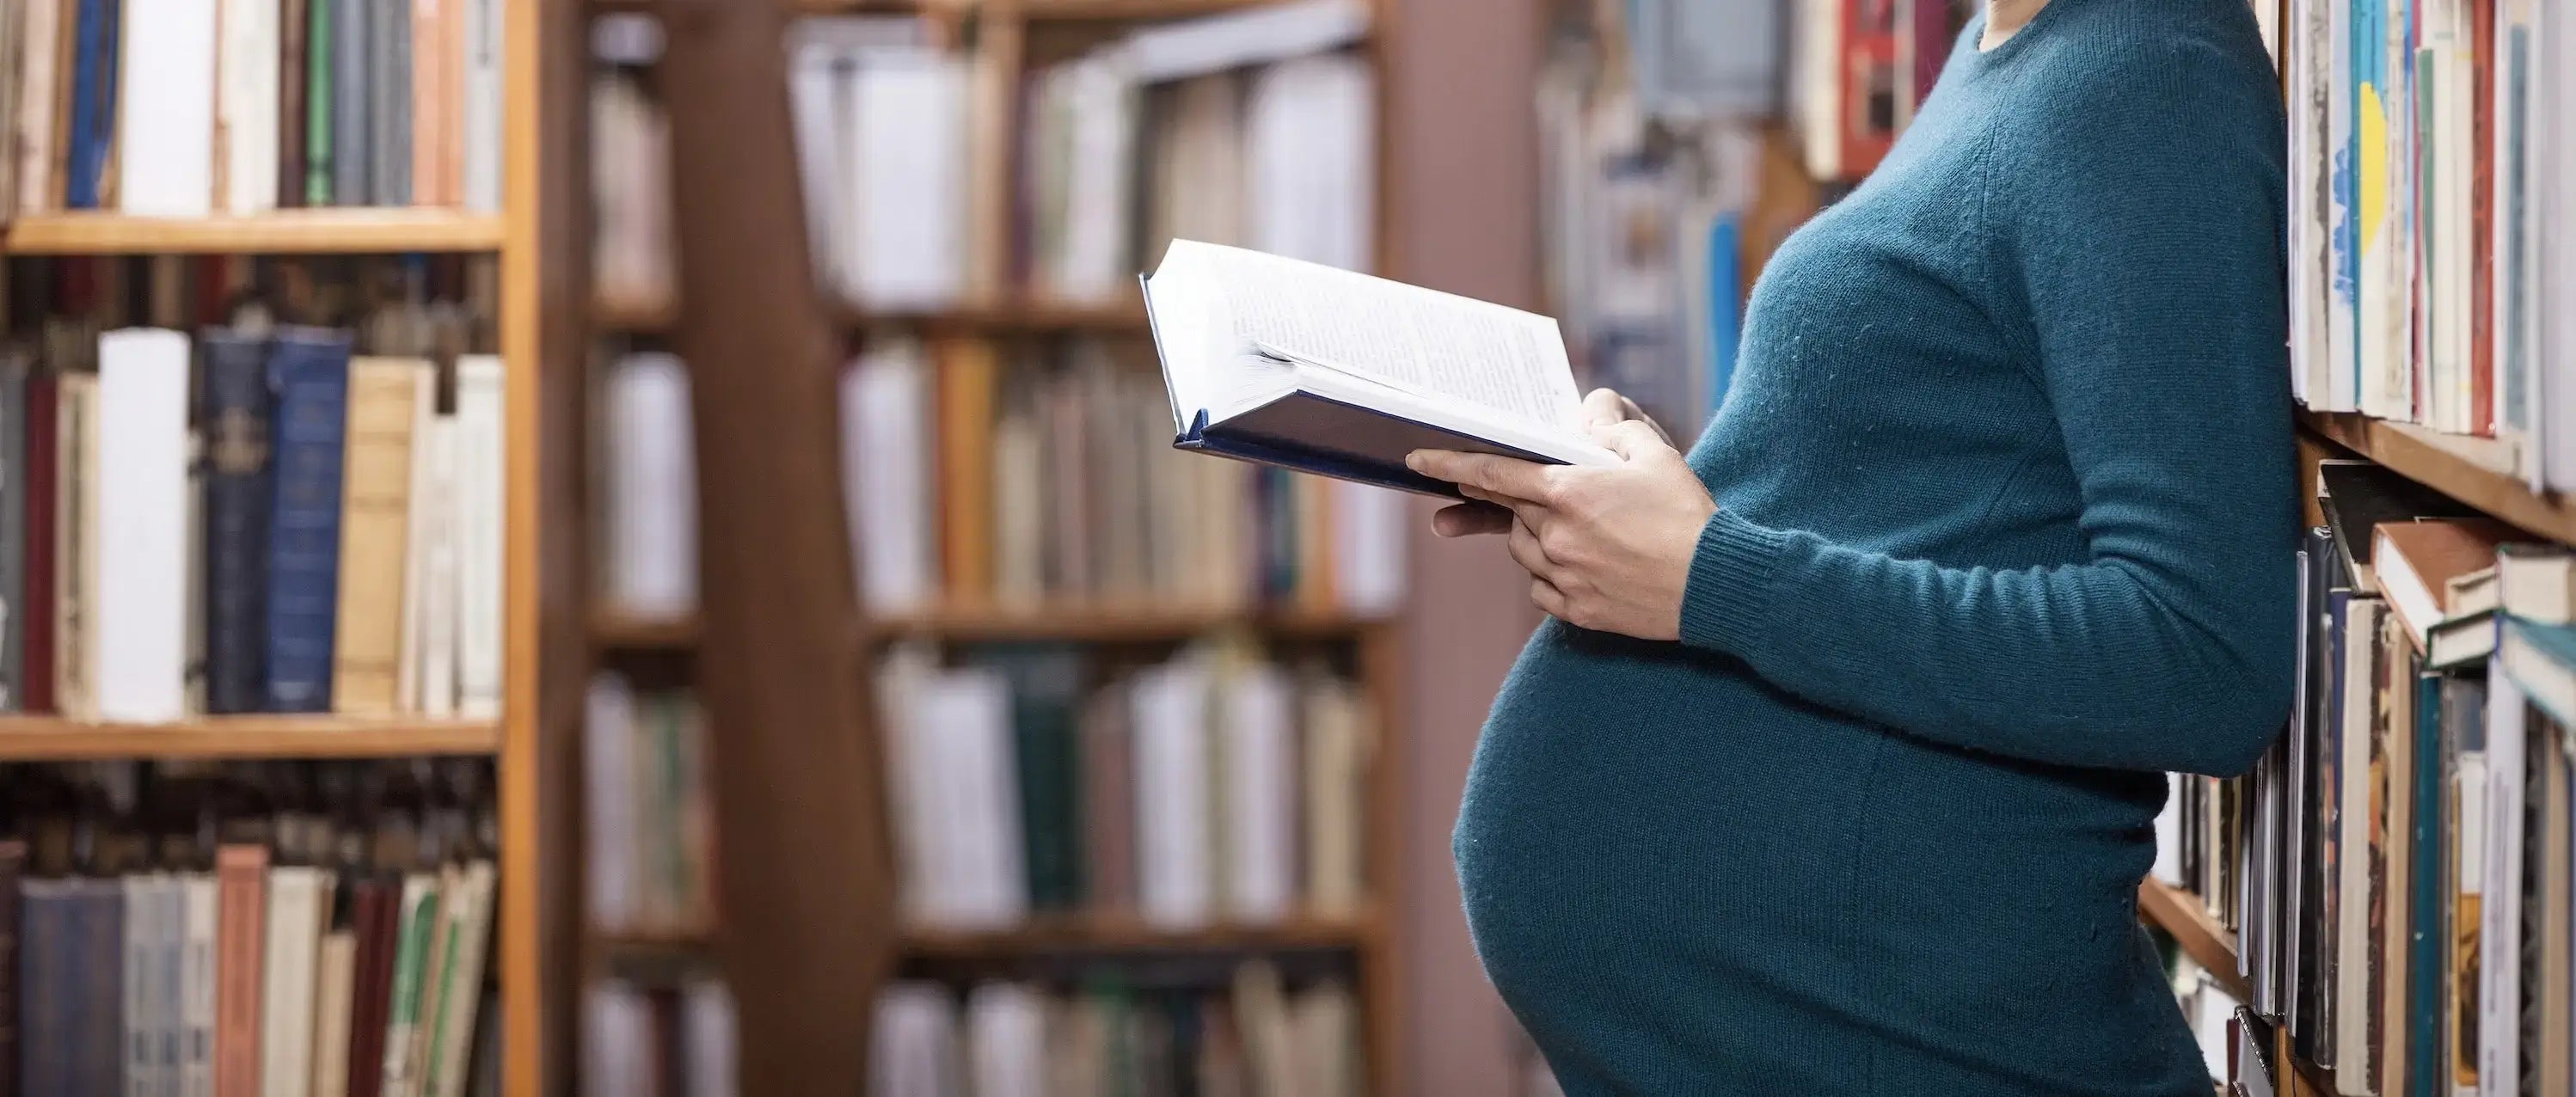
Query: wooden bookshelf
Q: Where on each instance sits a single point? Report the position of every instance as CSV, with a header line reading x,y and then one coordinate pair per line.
x,y
2182,915
2478,471
52,739
290,231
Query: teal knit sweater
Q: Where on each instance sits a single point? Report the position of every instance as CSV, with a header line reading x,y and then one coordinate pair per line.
x,y
2005,528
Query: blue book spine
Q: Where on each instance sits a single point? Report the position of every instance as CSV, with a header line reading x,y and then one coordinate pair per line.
x,y
240,489
42,1060
93,101
309,371
2425,972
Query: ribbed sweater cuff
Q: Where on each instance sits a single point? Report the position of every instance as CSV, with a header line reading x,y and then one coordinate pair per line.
x,y
1729,594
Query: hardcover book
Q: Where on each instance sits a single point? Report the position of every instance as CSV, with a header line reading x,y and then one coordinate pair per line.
x,y
1302,366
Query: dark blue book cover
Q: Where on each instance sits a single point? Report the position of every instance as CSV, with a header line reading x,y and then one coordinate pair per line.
x,y
97,976
44,1060
94,52
309,371
2425,972
233,385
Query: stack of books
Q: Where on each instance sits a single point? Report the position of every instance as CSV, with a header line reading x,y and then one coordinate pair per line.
x,y
2428,165
2397,869
1046,481
240,930
1253,1036
650,838
1214,788
183,108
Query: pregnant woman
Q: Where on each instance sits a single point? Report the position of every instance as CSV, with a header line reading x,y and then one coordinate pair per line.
x,y
1835,770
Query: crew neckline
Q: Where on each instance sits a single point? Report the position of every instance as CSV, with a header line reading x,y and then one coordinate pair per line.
x,y
1977,32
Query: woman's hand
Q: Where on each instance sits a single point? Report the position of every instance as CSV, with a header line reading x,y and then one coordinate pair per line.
x,y
1607,549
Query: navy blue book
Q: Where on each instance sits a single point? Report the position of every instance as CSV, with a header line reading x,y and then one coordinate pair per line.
x,y
2426,943
309,371
98,989
94,53
240,490
1320,370
44,949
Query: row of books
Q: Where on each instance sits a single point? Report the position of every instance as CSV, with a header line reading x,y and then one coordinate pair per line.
x,y
2429,141
2397,868
182,108
248,928
1246,126
645,1040
1039,481
1018,1040
1214,787
308,533
649,836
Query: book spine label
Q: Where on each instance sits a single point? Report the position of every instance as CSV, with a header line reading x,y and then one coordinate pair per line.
x,y
312,382
239,493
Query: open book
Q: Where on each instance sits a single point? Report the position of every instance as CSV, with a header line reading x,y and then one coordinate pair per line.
x,y
1308,367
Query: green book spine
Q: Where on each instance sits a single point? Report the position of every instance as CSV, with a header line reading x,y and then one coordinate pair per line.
x,y
318,41
411,960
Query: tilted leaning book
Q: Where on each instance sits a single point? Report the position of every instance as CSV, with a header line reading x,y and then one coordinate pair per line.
x,y
1307,367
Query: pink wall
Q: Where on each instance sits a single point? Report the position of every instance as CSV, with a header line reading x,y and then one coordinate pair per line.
x,y
1462,212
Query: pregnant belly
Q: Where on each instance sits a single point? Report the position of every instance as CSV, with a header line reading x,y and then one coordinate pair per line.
x,y
1669,866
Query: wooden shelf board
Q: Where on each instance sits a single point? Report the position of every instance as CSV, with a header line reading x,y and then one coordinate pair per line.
x,y
1055,935
321,230
2181,914
47,738
2476,471
1127,318
1094,624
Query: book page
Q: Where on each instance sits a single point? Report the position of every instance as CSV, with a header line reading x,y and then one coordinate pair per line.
x,y
1501,360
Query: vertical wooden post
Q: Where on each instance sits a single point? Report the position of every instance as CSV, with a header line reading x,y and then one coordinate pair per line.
x,y
805,881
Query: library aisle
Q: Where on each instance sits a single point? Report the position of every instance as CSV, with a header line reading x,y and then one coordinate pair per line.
x,y
372,519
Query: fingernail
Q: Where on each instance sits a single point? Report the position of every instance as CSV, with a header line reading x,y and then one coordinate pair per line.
x,y
1413,460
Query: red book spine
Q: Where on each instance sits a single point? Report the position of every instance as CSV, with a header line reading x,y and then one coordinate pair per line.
x,y
377,920
241,932
36,619
2482,217
1869,82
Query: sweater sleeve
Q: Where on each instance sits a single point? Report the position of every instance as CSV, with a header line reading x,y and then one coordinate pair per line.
x,y
2143,238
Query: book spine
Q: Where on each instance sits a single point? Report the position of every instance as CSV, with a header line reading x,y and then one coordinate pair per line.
x,y
350,73
98,1062
13,860
292,135
384,394
13,541
479,447
428,105
377,914
34,116
241,874
310,373
321,49
143,504
35,618
411,957
198,985
76,535
93,101
390,90
483,106
239,493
